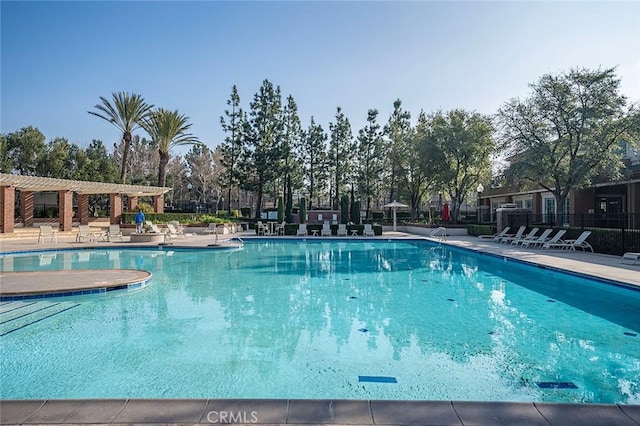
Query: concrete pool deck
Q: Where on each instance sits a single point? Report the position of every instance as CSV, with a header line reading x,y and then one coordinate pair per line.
x,y
244,411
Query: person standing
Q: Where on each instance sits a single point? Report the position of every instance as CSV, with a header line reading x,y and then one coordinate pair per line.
x,y
139,221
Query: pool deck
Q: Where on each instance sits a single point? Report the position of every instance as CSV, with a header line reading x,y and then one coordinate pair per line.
x,y
269,412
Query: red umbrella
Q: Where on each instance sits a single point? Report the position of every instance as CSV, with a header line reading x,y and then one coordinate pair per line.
x,y
445,212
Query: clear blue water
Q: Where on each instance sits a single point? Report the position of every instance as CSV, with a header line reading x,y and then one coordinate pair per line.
x,y
306,320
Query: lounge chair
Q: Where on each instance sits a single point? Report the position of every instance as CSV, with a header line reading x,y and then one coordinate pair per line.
x,y
513,237
302,229
630,257
579,242
555,240
211,229
342,230
114,232
326,230
497,235
84,233
368,230
529,237
538,241
47,232
173,232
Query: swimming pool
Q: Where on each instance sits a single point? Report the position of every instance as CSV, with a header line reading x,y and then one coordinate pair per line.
x,y
343,320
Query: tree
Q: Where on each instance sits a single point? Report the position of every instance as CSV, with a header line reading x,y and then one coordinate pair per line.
x,y
567,132
143,160
314,159
461,144
398,132
417,167
371,162
263,134
340,154
233,149
168,129
24,149
5,161
126,113
291,144
204,173
100,166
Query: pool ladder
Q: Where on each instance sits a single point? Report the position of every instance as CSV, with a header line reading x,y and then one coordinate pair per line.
x,y
440,233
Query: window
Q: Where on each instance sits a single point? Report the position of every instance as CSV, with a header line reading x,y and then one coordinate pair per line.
x,y
528,204
549,209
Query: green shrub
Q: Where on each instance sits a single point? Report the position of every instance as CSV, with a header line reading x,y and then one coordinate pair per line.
x,y
475,229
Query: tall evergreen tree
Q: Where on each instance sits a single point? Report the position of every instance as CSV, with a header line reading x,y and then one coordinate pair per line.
x,y
313,152
340,154
264,132
398,132
290,149
232,149
371,162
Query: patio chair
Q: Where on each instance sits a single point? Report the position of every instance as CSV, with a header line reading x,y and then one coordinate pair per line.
x,y
540,240
510,238
326,230
554,240
262,229
280,228
630,257
579,242
497,235
47,232
342,230
302,229
173,232
529,237
84,233
114,232
368,230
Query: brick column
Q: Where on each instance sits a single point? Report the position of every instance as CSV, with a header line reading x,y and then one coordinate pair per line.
x,y
133,204
65,210
7,205
26,207
83,208
158,203
115,209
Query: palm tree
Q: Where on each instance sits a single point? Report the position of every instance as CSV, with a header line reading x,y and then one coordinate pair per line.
x,y
126,113
167,129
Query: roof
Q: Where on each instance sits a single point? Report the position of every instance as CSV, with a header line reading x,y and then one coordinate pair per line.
x,y
37,184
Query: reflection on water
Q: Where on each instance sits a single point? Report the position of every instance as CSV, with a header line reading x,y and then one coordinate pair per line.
x,y
304,320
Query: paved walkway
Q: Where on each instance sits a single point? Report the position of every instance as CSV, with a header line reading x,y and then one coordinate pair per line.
x,y
267,412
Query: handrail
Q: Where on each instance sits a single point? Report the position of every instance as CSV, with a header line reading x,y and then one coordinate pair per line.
x,y
439,232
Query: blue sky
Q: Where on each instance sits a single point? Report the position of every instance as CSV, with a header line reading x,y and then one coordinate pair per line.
x,y
59,57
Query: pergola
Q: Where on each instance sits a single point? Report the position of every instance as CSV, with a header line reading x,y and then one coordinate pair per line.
x,y
28,185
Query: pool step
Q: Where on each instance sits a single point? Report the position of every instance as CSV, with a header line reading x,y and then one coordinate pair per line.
x,y
24,314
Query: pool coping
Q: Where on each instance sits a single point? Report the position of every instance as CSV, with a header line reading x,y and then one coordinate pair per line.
x,y
297,411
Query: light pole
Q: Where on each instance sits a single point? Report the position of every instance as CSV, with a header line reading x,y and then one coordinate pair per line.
x,y
480,188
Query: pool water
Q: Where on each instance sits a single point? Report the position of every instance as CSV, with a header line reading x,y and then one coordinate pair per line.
x,y
340,320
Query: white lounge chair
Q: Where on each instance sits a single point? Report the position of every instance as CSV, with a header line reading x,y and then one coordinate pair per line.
x,y
47,232
302,229
631,258
368,230
555,240
529,237
342,230
510,238
497,235
173,232
84,233
326,230
579,242
540,240
114,232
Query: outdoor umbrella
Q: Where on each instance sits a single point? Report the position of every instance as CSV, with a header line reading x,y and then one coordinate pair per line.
x,y
445,212
394,205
